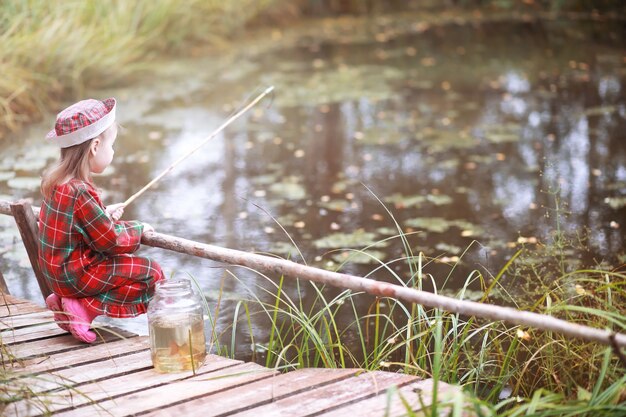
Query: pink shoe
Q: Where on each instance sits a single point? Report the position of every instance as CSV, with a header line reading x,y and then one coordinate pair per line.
x,y
80,319
53,302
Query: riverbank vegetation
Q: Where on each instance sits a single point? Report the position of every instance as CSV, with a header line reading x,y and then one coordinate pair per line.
x,y
53,51
504,370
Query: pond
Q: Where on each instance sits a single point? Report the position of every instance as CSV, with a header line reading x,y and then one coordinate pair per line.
x,y
464,136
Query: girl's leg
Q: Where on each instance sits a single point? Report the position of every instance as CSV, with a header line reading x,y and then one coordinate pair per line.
x,y
80,316
121,286
53,302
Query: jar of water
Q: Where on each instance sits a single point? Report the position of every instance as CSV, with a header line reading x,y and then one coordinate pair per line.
x,y
176,323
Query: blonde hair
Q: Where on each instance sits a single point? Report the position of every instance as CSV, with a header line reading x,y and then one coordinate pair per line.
x,y
73,163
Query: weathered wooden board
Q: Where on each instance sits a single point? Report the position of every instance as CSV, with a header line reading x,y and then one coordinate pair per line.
x,y
18,309
24,320
91,372
257,393
27,225
32,349
40,331
155,398
11,300
134,384
116,377
417,395
331,396
81,356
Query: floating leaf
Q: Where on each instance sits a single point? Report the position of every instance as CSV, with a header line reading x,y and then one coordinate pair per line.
x,y
264,179
448,248
357,239
444,140
382,135
25,183
431,224
600,111
336,205
505,133
388,231
327,85
616,202
290,189
283,248
358,257
468,229
401,201
6,175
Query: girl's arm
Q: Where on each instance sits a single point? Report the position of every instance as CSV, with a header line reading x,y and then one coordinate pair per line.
x,y
102,233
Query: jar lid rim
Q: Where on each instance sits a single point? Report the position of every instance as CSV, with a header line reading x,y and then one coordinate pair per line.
x,y
174,284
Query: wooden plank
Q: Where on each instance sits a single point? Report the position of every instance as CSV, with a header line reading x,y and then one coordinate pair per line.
x,y
82,356
332,396
155,398
257,393
392,405
6,298
4,288
27,226
26,320
18,309
112,388
42,331
33,349
91,372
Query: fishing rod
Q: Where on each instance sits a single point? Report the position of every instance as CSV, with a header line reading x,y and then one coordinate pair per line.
x,y
211,136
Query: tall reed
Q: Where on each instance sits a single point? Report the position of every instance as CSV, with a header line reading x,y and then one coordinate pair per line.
x,y
53,50
504,370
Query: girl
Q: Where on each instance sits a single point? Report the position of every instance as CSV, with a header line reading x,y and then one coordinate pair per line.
x,y
84,250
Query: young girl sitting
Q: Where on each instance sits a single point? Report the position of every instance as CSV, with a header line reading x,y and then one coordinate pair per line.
x,y
84,250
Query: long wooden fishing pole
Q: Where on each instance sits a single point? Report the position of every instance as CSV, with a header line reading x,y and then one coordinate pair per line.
x,y
211,136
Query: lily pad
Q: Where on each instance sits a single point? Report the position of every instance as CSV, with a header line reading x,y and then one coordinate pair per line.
x,y
431,224
443,140
469,229
600,111
615,202
335,205
505,133
401,201
357,257
387,231
30,164
283,248
467,294
330,85
25,183
382,135
357,239
6,175
289,189
452,249
264,179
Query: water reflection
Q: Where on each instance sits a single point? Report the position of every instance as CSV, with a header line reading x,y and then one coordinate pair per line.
x,y
471,131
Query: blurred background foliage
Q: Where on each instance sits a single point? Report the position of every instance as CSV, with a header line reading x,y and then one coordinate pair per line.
x,y
52,51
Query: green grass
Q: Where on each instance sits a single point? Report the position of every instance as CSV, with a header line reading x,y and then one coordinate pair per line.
x,y
502,369
53,51
546,374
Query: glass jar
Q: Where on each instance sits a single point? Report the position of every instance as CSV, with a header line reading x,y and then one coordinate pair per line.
x,y
176,325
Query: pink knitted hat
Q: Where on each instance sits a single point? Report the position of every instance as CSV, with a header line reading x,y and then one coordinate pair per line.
x,y
82,121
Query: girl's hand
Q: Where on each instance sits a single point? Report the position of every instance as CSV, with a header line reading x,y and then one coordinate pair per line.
x,y
115,211
147,228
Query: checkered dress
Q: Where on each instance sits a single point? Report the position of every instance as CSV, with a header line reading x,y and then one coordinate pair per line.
x,y
85,254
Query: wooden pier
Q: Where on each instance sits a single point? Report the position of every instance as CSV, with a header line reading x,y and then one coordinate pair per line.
x,y
55,374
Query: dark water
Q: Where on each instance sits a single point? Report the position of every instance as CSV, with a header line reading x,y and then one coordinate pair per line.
x,y
465,133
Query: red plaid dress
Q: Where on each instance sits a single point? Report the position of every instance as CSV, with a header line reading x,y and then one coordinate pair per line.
x,y
85,254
